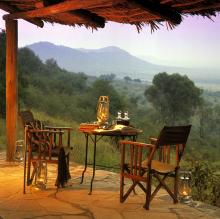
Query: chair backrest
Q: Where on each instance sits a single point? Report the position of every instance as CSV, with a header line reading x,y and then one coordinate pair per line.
x,y
173,135
26,117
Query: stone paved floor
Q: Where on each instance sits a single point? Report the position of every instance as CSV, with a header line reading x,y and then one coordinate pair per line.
x,y
74,201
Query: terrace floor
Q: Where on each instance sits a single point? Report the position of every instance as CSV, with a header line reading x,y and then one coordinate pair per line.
x,y
74,201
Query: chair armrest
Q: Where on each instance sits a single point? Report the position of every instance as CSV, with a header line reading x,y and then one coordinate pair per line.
x,y
55,127
45,131
153,140
136,143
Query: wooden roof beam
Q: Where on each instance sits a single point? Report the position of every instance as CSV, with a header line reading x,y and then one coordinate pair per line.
x,y
90,18
165,12
187,3
10,9
57,8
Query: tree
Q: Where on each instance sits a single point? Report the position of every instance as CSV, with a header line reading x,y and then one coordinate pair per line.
x,y
205,183
101,88
127,78
29,63
51,63
205,119
175,97
108,77
209,123
137,80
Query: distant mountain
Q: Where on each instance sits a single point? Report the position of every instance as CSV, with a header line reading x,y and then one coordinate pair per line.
x,y
96,61
111,60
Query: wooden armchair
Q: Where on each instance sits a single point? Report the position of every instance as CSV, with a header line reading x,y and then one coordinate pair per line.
x,y
140,162
43,143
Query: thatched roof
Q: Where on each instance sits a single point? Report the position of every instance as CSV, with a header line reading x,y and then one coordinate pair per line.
x,y
95,13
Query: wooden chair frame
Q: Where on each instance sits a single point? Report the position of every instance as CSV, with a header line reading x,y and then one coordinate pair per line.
x,y
48,138
141,170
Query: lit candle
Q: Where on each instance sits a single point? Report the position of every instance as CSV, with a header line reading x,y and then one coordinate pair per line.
x,y
185,193
184,187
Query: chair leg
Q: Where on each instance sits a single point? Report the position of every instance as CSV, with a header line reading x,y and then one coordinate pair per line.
x,y
29,168
33,172
148,193
122,188
176,186
166,187
128,171
25,170
157,188
124,195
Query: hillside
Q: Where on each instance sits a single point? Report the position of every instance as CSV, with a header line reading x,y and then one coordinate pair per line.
x,y
96,62
114,60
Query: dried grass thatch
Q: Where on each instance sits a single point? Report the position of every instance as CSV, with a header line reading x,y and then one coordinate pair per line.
x,y
95,13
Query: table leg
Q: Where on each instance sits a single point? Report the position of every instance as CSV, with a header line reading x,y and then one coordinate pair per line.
x,y
94,164
134,137
86,158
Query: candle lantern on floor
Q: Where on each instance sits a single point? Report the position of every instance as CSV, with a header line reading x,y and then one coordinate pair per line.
x,y
18,156
41,175
103,110
185,187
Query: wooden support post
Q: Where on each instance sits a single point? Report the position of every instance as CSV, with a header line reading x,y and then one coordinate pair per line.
x,y
11,86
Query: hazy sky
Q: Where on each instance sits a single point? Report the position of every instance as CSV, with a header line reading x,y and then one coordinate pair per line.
x,y
194,43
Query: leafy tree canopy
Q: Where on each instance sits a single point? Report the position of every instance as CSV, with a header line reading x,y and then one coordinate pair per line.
x,y
109,77
175,97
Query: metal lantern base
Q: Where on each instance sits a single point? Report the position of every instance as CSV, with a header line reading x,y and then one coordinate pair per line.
x,y
185,200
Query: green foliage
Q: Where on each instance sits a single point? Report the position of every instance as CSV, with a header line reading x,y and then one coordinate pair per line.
x,y
110,77
137,80
58,92
175,97
127,78
205,183
209,120
101,87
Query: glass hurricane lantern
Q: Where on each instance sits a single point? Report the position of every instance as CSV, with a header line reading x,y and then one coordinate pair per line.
x,y
18,156
41,175
185,187
103,110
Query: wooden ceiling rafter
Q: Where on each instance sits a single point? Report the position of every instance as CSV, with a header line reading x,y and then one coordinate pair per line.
x,y
101,7
10,9
166,1
187,3
67,6
57,8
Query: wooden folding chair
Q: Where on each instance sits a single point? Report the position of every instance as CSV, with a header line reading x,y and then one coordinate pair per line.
x,y
43,143
140,162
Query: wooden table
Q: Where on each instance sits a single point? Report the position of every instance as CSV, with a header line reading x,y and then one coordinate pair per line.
x,y
95,135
